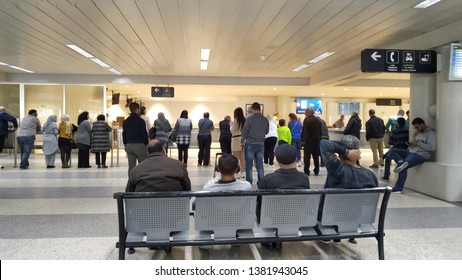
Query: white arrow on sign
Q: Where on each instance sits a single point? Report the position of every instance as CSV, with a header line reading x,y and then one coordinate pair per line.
x,y
374,56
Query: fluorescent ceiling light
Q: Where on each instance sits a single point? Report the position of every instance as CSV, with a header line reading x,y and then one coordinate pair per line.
x,y
205,54
425,4
22,69
100,63
204,65
301,67
114,71
3,63
321,57
80,51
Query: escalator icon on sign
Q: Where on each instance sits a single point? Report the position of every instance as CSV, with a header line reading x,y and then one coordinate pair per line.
x,y
392,57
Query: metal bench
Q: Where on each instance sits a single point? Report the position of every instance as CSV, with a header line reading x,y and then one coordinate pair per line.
x,y
163,219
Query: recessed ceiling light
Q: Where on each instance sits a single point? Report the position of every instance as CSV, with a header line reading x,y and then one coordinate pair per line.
x,y
205,54
425,4
80,51
100,63
275,88
21,69
114,71
323,93
345,89
301,67
321,57
3,63
204,65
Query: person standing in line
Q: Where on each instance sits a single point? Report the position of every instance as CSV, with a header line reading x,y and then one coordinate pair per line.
x,y
145,118
204,138
4,119
66,133
391,123
135,137
50,140
28,128
100,140
236,131
183,128
339,123
163,127
271,140
225,135
375,130
353,126
253,141
296,127
284,134
311,136
83,140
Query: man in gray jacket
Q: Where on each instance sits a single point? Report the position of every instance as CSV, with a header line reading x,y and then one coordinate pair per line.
x,y
419,151
253,140
28,127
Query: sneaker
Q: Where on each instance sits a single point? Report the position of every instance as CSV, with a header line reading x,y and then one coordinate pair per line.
x,y
373,166
396,191
385,178
401,167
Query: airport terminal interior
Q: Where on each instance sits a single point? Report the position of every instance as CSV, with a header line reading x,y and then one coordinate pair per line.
x,y
70,56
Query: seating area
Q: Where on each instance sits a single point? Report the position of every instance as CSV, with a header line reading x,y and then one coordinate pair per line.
x,y
164,219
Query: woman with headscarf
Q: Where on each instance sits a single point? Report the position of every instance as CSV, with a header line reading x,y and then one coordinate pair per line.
x,y
50,141
163,127
66,132
83,140
100,140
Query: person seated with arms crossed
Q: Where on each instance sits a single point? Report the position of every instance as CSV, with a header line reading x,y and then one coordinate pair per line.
x,y
342,169
286,177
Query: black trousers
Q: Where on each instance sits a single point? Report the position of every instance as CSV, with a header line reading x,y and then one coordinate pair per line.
x,y
225,143
268,154
2,142
100,158
311,149
183,153
84,155
205,141
65,149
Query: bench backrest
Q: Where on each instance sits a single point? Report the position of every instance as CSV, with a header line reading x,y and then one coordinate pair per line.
x,y
225,215
157,217
287,213
349,211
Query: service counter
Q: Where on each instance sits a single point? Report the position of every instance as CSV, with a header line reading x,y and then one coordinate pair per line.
x,y
337,134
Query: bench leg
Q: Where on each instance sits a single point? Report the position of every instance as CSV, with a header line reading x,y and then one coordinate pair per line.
x,y
381,247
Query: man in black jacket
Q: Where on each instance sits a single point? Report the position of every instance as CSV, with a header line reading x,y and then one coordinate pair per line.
x,y
135,137
311,136
375,129
353,126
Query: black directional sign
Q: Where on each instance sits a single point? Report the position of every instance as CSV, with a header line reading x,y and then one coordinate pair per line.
x,y
162,91
398,61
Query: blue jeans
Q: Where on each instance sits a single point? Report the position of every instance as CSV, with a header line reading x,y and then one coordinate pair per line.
x,y
400,157
26,143
401,152
297,143
254,151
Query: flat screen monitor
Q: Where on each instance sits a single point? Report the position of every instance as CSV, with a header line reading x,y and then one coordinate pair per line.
x,y
455,63
115,98
345,108
304,103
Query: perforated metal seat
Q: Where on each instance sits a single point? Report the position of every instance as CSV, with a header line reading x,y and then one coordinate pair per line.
x,y
350,213
288,213
224,216
157,218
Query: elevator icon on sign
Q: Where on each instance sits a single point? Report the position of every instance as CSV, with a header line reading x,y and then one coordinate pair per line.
x,y
392,57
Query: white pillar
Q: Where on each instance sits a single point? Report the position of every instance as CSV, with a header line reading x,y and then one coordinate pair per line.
x,y
283,107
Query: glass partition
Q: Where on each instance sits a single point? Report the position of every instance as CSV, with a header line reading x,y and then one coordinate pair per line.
x,y
84,98
9,98
46,99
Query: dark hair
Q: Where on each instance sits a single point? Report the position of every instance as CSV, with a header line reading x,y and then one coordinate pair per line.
x,y
184,114
206,115
142,110
156,146
134,106
239,117
371,112
82,117
101,117
228,164
282,122
293,117
256,106
32,111
418,121
401,122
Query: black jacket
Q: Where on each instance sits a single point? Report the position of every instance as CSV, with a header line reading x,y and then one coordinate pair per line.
x,y
353,127
375,128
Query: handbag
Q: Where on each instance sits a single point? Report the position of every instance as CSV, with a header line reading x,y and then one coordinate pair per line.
x,y
152,132
172,136
73,144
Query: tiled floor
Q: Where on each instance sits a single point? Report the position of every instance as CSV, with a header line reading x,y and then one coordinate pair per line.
x,y
70,214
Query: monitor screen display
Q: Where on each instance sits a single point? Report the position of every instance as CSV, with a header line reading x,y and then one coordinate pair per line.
x,y
304,103
455,63
345,108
